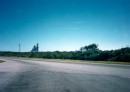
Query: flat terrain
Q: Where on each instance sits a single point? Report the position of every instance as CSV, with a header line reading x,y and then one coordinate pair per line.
x,y
24,75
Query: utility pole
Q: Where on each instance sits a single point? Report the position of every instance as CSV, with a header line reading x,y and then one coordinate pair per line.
x,y
19,48
37,47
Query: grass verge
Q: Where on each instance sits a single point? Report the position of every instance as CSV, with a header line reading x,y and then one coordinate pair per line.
x,y
78,61
1,61
109,62
71,61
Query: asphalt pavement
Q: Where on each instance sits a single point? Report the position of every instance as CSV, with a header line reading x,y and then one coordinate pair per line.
x,y
21,75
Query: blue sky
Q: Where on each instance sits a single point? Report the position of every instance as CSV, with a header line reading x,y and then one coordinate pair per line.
x,y
64,25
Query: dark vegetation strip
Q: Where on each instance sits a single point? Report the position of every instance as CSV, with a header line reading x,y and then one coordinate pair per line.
x,y
1,61
90,52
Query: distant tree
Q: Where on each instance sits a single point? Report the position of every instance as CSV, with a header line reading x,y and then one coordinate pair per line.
x,y
91,47
89,52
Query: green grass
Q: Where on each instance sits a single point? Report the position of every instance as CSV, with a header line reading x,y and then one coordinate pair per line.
x,y
74,61
1,61
71,61
108,62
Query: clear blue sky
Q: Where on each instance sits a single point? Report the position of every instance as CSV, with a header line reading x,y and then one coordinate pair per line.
x,y
64,25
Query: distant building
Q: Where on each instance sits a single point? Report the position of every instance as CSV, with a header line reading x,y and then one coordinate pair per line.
x,y
35,48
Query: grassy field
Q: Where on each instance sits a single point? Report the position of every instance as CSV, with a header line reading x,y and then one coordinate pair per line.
x,y
68,60
76,61
73,61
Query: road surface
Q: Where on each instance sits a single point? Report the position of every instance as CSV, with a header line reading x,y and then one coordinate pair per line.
x,y
21,75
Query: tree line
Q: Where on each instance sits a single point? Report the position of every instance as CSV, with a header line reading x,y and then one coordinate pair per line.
x,y
89,52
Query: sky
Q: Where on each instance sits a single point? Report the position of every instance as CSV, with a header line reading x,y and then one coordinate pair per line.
x,y
64,25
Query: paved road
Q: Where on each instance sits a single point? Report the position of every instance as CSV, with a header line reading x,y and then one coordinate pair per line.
x,y
17,75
